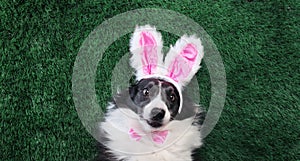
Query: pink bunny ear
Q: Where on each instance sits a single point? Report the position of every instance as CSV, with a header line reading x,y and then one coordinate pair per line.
x,y
183,60
145,46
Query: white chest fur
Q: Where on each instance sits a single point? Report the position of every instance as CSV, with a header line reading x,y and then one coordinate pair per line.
x,y
183,137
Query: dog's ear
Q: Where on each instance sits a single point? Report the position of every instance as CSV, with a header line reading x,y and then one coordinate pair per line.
x,y
183,60
133,89
146,49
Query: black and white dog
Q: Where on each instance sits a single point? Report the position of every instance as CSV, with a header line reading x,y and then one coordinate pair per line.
x,y
154,120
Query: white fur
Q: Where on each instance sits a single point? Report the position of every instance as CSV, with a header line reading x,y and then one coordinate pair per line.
x,y
175,50
159,103
182,138
161,70
162,67
137,50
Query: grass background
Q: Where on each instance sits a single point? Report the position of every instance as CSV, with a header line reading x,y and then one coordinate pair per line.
x,y
258,41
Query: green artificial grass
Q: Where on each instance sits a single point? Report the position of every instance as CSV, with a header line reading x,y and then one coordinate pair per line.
x,y
258,42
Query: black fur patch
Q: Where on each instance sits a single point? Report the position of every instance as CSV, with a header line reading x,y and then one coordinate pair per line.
x,y
104,155
131,99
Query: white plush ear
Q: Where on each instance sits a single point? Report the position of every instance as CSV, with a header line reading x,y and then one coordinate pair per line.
x,y
146,47
183,60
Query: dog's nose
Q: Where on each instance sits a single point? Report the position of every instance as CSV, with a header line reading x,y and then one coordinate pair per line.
x,y
157,114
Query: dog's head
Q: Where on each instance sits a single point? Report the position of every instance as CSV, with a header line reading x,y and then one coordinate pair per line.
x,y
157,101
157,94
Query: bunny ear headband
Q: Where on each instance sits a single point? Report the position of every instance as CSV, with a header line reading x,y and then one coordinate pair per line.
x,y
180,65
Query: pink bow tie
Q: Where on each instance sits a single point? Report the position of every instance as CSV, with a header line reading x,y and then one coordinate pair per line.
x,y
158,137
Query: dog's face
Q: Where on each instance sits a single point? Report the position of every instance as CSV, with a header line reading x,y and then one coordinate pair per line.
x,y
157,101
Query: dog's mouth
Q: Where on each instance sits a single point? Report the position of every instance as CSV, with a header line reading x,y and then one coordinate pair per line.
x,y
154,124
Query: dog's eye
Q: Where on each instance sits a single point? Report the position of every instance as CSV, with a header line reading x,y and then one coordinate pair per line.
x,y
172,97
145,92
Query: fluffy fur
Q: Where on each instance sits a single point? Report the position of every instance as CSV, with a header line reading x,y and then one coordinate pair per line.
x,y
184,136
155,103
137,49
180,46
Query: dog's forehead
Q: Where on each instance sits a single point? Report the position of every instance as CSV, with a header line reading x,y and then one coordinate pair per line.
x,y
148,82
165,84
169,86
153,81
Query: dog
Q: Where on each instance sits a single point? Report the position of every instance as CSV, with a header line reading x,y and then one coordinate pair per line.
x,y
154,119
